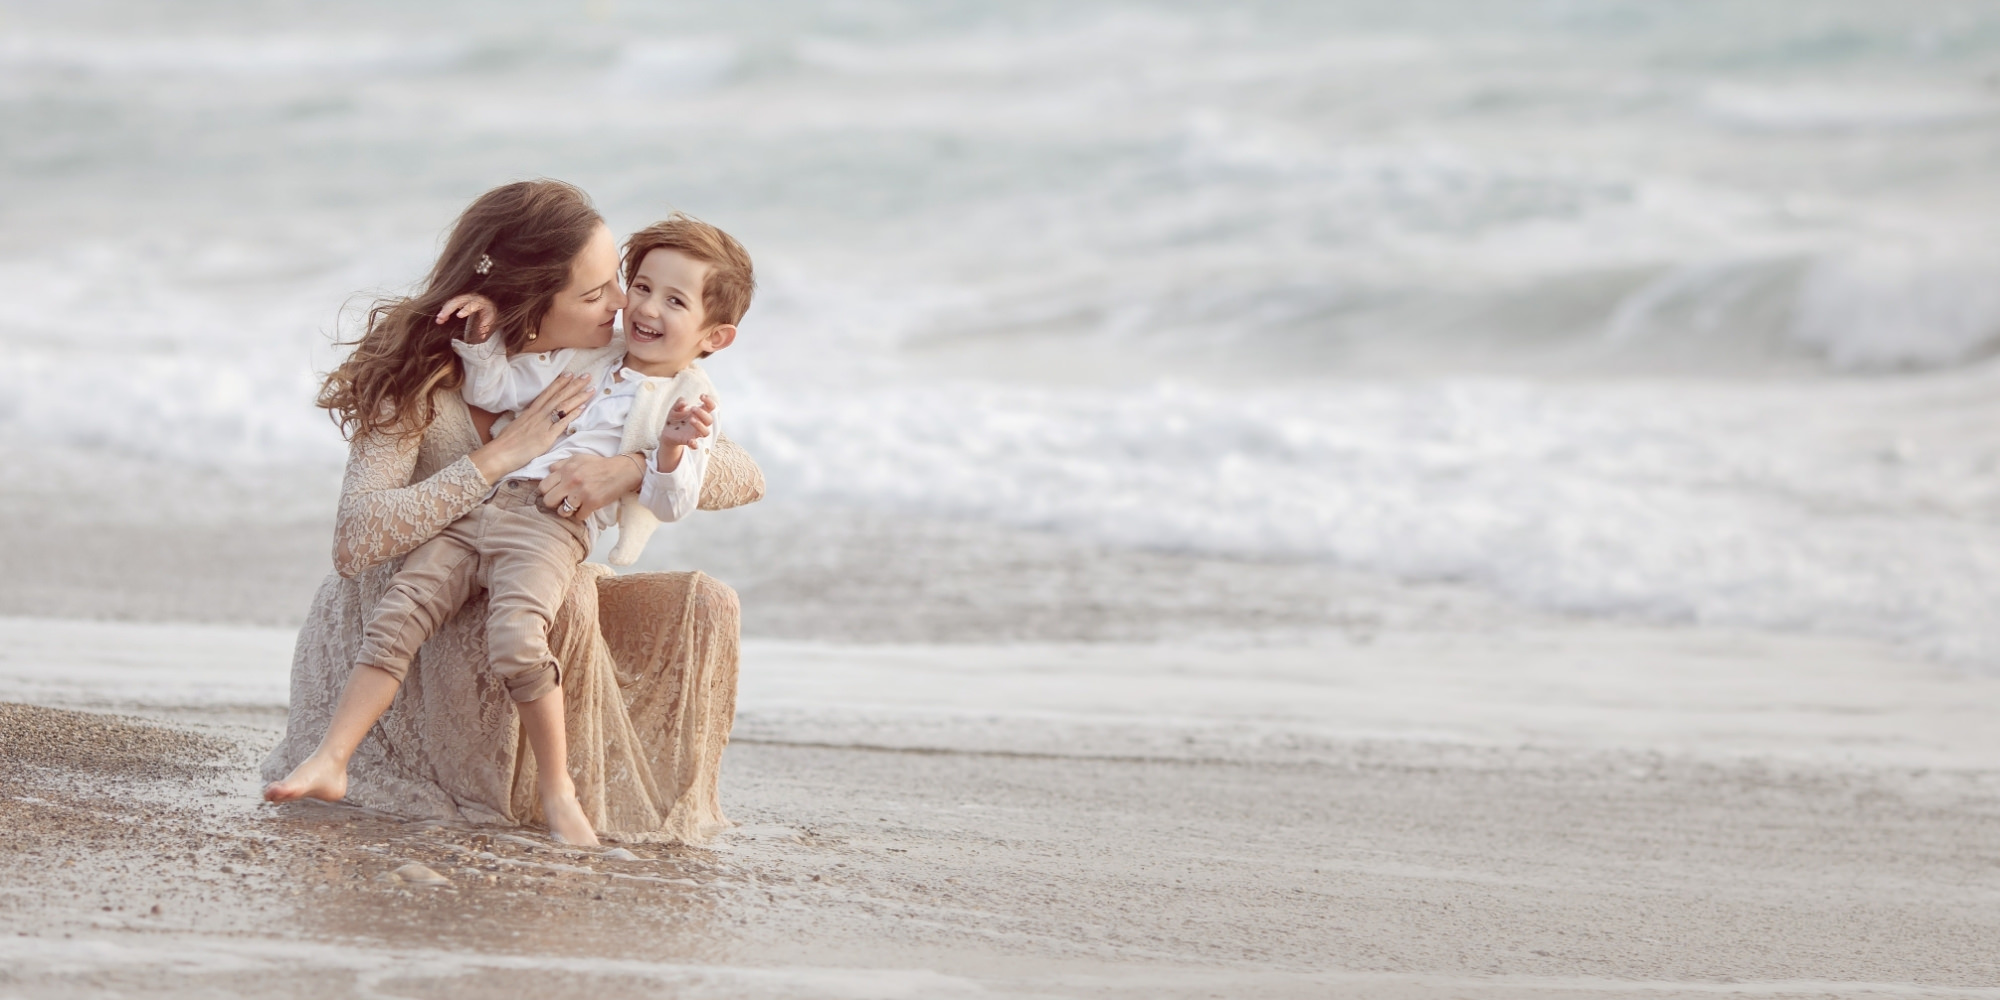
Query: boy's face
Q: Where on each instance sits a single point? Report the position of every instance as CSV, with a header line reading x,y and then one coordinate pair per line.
x,y
665,328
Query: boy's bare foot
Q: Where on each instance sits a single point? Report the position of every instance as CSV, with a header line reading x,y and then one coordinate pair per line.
x,y
567,823
316,777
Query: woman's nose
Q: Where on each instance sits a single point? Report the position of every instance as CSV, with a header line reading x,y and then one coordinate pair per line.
x,y
617,297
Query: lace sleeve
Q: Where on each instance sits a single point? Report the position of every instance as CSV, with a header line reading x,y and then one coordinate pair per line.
x,y
383,515
732,478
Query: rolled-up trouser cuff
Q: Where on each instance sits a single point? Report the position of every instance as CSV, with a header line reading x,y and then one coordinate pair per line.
x,y
400,671
533,685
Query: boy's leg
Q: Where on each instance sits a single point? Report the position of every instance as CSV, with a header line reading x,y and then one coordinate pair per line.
x,y
369,693
548,737
529,561
434,581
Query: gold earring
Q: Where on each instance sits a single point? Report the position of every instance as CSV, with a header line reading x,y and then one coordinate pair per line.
x,y
532,335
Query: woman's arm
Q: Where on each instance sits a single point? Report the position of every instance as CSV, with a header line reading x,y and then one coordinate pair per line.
x,y
592,482
732,478
383,515
671,492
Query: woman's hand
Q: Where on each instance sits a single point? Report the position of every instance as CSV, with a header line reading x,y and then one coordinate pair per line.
x,y
478,310
591,482
535,429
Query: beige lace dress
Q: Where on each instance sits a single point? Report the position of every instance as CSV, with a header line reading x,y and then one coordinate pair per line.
x,y
648,660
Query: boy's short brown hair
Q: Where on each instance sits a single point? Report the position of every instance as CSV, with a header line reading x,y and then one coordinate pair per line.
x,y
725,293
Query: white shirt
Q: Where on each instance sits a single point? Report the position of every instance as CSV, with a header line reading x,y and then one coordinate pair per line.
x,y
494,381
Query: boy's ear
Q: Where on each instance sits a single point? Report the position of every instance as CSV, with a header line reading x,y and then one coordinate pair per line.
x,y
720,337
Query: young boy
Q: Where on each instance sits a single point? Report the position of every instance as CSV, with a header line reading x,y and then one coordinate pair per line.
x,y
688,285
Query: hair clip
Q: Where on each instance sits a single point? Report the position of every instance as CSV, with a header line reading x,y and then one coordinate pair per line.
x,y
484,266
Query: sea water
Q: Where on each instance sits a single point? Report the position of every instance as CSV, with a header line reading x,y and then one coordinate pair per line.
x,y
1675,313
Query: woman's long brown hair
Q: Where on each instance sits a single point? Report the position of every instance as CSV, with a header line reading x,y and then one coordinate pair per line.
x,y
514,245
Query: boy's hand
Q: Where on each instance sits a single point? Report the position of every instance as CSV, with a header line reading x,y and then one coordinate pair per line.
x,y
478,310
688,423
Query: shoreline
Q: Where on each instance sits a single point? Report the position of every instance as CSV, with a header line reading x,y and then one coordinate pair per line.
x,y
1053,853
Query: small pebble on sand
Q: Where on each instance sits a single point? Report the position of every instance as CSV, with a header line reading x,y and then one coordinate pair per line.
x,y
416,874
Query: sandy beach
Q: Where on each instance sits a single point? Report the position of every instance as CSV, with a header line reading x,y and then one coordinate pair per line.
x,y
1621,812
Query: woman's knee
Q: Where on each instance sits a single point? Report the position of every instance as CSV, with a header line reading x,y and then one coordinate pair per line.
x,y
713,600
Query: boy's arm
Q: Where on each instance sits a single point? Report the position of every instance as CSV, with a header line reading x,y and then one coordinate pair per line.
x,y
673,495
674,470
493,381
496,382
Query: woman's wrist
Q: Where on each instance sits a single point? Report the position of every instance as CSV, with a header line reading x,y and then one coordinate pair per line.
x,y
493,462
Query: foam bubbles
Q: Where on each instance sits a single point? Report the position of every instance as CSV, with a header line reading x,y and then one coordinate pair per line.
x,y
1663,503
1887,308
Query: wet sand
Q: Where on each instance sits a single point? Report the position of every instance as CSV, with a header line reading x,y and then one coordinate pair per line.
x,y
1582,863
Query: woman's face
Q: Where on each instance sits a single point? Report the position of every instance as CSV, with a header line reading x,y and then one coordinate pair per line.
x,y
582,313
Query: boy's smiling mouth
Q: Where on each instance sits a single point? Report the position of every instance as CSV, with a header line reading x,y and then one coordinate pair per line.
x,y
641,333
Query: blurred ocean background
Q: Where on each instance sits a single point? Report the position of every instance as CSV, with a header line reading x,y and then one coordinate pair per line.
x,y
1109,319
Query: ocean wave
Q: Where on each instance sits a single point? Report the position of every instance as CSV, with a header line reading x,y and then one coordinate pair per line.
x,y
225,56
1887,309
1835,109
1443,254
1670,503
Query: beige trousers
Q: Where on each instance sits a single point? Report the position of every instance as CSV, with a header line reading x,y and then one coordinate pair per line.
x,y
521,552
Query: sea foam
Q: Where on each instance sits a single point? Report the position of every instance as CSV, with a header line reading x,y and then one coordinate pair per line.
x,y
1662,502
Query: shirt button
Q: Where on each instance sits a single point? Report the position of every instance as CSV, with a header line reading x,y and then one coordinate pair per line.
x,y
607,390
545,355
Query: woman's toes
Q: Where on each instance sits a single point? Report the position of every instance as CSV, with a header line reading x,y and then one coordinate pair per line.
x,y
568,825
312,779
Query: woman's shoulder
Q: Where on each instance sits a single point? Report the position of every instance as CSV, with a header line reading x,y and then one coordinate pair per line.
x,y
447,436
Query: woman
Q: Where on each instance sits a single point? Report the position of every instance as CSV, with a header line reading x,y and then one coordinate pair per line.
x,y
648,661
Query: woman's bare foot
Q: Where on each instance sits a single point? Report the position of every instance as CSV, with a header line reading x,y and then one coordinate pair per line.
x,y
318,777
567,823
